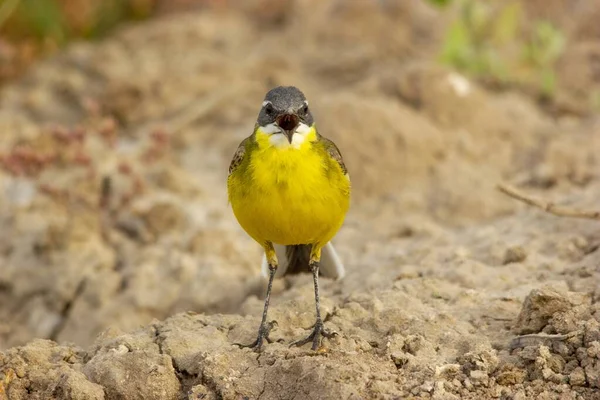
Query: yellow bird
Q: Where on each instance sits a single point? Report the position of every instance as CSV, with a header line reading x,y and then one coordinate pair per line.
x,y
290,191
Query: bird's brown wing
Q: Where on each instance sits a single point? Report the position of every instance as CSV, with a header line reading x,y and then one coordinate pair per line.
x,y
238,157
334,152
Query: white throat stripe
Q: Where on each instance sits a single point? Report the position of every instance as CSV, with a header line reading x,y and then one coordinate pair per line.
x,y
279,140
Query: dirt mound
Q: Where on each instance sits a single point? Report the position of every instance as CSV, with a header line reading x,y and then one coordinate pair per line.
x,y
115,216
382,351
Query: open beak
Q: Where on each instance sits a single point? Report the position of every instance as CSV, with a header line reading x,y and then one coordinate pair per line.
x,y
289,123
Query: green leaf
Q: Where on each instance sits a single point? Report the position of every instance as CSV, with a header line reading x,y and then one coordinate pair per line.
x,y
548,82
506,26
456,45
440,3
44,19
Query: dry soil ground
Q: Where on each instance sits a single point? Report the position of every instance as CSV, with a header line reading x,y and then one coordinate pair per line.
x,y
138,291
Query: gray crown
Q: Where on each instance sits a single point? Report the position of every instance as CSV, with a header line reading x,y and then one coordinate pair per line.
x,y
284,100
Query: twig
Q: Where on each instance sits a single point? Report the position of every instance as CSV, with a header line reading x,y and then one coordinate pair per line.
x,y
539,338
104,210
67,309
547,206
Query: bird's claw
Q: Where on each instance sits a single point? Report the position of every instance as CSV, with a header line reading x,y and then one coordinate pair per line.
x,y
315,336
263,335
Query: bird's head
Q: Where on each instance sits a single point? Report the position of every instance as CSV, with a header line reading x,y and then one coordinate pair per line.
x,y
285,116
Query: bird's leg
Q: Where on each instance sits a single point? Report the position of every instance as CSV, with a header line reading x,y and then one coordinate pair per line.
x,y
318,329
265,327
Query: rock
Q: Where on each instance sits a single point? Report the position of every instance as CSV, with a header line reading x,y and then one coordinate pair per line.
x,y
514,254
440,392
42,370
510,375
76,386
592,374
593,350
132,367
541,305
591,332
479,378
447,371
577,377
485,360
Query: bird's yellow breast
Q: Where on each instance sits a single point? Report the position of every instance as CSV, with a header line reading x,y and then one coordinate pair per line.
x,y
289,195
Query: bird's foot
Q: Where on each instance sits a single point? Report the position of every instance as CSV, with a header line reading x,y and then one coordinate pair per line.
x,y
263,335
315,336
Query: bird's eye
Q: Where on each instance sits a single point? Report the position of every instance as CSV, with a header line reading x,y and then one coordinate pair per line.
x,y
305,109
269,108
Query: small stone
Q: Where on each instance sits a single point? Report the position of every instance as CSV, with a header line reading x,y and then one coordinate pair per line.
x,y
581,354
552,376
542,304
427,386
483,360
520,395
561,348
592,332
593,350
514,254
113,371
511,376
122,349
592,374
556,363
570,366
440,393
479,378
496,391
530,353
447,370
20,371
468,384
75,386
577,377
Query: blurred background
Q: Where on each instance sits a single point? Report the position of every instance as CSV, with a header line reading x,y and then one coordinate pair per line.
x,y
118,120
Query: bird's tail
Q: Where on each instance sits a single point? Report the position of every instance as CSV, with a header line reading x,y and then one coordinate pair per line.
x,y
294,259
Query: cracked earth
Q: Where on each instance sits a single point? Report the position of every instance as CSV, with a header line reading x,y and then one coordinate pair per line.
x,y
138,289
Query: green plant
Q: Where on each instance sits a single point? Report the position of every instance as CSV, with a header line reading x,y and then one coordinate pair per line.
x,y
489,40
542,50
30,29
39,19
61,20
472,42
440,3
595,100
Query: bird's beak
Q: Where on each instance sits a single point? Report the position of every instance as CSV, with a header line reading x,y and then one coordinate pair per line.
x,y
288,122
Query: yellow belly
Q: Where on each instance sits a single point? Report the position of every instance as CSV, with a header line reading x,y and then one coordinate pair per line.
x,y
287,196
